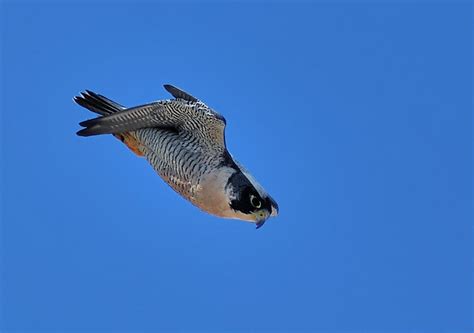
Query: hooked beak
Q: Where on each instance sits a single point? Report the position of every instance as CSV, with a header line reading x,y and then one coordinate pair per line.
x,y
262,217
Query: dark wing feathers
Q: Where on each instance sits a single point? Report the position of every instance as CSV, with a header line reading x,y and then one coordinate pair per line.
x,y
178,93
98,103
124,121
113,105
174,115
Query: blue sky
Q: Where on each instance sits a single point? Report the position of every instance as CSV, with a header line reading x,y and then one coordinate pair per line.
x,y
357,118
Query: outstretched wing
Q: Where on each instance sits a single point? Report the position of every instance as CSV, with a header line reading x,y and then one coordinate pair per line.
x,y
184,114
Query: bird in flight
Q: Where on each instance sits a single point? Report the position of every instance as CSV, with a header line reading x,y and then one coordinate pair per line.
x,y
183,139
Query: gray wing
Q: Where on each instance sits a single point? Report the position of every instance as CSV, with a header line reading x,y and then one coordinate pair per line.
x,y
179,94
185,113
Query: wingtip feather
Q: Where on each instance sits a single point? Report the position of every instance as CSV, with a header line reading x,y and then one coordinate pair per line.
x,y
82,132
178,93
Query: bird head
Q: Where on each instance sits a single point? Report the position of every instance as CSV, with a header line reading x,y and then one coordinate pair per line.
x,y
248,199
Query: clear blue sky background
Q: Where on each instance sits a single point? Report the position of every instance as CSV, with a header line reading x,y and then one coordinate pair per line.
x,y
356,118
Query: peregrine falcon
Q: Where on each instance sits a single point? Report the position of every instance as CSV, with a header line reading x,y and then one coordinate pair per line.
x,y
183,139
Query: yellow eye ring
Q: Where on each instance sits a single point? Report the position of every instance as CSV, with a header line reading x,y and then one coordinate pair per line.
x,y
255,201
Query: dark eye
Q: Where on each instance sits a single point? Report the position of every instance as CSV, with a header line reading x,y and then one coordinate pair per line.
x,y
255,201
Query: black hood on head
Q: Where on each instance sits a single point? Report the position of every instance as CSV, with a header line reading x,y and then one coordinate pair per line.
x,y
244,191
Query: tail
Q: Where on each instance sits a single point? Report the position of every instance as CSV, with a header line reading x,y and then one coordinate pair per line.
x,y
103,106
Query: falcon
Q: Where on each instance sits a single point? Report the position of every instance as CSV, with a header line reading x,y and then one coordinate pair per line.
x,y
184,141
